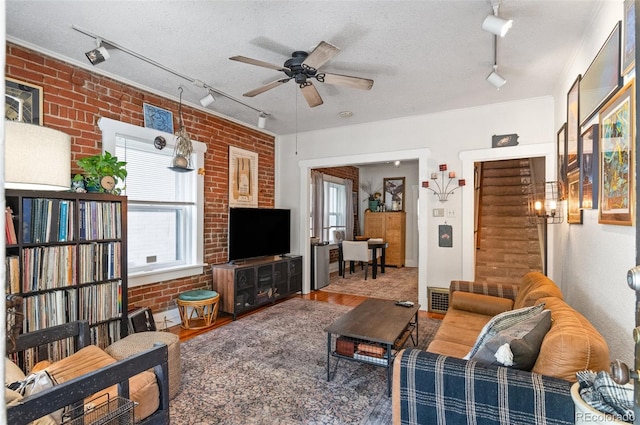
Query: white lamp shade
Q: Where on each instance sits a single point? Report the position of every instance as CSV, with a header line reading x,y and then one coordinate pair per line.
x,y
36,157
496,25
496,80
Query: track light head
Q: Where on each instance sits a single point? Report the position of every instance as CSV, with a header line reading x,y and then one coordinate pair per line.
x,y
496,79
207,100
262,120
98,55
496,25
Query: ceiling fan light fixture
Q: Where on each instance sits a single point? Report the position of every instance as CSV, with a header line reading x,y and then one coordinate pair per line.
x,y
497,25
496,80
207,100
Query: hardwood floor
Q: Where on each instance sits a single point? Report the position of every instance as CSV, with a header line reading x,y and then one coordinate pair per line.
x,y
322,296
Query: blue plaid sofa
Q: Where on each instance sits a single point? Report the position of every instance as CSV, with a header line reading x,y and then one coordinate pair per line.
x,y
437,386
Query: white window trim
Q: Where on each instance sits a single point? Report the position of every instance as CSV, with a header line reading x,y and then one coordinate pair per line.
x,y
110,129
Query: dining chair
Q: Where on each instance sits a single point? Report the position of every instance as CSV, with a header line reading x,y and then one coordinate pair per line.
x,y
355,251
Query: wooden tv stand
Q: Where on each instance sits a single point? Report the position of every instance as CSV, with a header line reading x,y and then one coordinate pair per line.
x,y
249,284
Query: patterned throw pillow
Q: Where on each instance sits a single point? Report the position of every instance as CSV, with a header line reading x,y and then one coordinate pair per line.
x,y
503,321
517,346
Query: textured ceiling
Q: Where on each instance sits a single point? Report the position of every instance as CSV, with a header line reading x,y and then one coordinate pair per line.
x,y
424,56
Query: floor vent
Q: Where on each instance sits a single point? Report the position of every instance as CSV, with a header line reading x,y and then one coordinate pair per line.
x,y
438,299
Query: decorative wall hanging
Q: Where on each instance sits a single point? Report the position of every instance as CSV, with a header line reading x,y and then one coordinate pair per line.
x,y
562,162
504,140
589,148
394,193
157,118
629,37
23,102
443,191
574,213
573,129
445,236
602,79
617,140
243,178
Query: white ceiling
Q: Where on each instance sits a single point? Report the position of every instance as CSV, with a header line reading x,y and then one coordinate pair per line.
x,y
424,56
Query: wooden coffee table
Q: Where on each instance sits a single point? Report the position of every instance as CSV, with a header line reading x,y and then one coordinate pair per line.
x,y
372,333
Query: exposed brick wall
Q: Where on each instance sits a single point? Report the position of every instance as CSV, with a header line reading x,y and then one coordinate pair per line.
x,y
74,100
353,174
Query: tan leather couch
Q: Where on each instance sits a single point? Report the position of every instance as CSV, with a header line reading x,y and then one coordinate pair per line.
x,y
572,343
437,385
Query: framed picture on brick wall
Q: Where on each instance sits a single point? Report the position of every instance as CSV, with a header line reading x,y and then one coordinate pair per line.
x,y
23,101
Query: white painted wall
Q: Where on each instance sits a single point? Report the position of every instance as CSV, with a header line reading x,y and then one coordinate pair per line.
x,y
434,139
589,260
593,258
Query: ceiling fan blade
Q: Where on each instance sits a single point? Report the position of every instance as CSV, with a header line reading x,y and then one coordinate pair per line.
x,y
264,88
311,94
346,80
320,55
256,62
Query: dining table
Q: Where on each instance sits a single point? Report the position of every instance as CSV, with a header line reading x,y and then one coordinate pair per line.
x,y
374,246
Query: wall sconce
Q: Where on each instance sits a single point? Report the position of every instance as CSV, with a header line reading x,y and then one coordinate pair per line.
x,y
443,191
544,203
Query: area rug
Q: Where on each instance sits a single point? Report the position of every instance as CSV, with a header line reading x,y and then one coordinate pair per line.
x,y
270,368
395,284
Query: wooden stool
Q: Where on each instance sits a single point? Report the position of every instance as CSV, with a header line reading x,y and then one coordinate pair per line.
x,y
203,303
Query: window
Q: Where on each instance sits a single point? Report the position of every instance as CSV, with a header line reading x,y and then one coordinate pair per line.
x,y
165,208
334,208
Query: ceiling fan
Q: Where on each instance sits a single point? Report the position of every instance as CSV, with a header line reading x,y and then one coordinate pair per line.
x,y
302,67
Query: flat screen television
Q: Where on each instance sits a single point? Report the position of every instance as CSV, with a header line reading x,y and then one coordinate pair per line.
x,y
258,232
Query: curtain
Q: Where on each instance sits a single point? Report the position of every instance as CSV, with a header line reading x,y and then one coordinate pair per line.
x,y
317,207
349,207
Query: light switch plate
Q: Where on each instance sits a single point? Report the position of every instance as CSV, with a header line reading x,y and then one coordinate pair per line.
x,y
438,212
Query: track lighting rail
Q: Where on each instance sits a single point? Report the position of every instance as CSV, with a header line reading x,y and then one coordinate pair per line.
x,y
194,81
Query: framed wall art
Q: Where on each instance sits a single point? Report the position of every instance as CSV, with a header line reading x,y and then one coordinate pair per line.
x,y
23,102
574,213
589,149
573,128
617,140
629,37
157,118
393,197
562,162
243,178
445,236
603,78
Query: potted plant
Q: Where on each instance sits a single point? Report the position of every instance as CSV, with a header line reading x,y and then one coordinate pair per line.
x,y
101,172
373,195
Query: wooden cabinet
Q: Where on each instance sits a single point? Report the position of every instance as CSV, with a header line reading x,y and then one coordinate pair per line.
x,y
389,226
248,285
66,256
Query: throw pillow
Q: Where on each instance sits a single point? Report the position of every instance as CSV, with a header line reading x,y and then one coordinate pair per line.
x,y
518,346
503,321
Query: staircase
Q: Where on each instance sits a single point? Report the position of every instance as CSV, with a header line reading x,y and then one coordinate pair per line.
x,y
507,245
